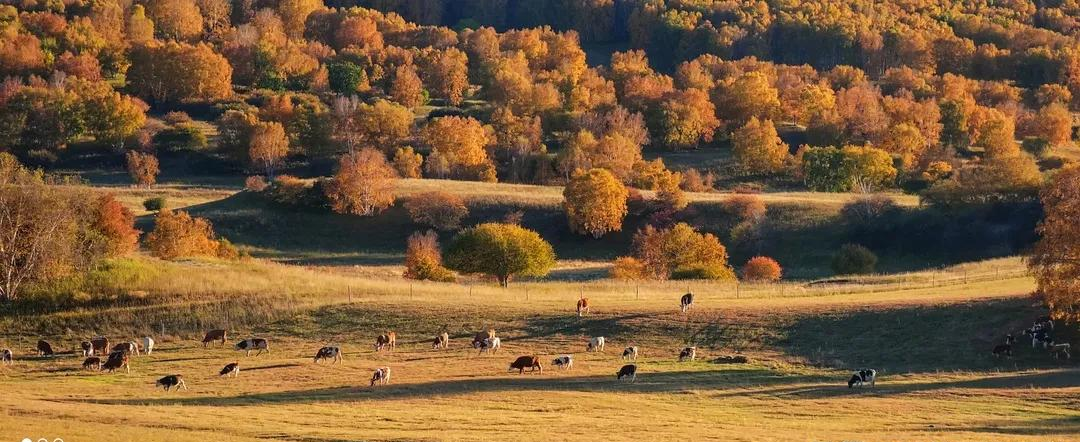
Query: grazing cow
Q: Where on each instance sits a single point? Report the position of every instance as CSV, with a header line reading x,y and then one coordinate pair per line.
x,y
250,344
87,348
126,347
1039,336
100,345
44,348
630,353
328,353
492,344
628,371
148,344
5,357
1061,351
441,341
595,344
523,362
480,337
1004,349
230,369
215,335
862,377
688,353
92,361
117,359
170,381
387,341
582,306
686,302
564,362
381,376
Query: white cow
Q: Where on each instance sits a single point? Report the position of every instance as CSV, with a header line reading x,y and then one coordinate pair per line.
x,y
596,344
492,344
148,344
564,362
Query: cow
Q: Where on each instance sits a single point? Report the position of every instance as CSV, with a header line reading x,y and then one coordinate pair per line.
x,y
170,381
44,348
328,353
441,341
87,348
6,357
627,371
126,347
688,353
380,376
1061,351
250,344
1039,336
1004,349
100,345
387,341
862,377
523,362
595,344
92,361
480,337
686,302
232,368
630,353
148,344
117,359
582,306
564,362
214,335
492,344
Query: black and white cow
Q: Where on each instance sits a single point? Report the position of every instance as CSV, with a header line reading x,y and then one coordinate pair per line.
x,y
628,371
1039,336
232,369
92,362
6,357
490,344
380,376
170,381
328,353
441,340
250,344
1006,348
564,362
862,377
87,348
630,353
686,302
688,353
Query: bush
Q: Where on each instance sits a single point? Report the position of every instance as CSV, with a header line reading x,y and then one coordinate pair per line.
x,y
628,268
502,251
178,235
682,253
176,117
423,259
853,259
695,181
441,210
1036,146
181,138
255,183
762,268
154,204
746,207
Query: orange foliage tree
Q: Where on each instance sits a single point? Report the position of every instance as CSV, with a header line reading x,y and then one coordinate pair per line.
x,y
143,168
117,224
595,203
363,184
423,259
1055,260
177,234
441,210
762,268
268,146
458,148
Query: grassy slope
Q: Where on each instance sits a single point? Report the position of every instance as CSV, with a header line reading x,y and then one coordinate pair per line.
x,y
935,385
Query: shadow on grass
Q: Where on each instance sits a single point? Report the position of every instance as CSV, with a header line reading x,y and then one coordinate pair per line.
x,y
1065,426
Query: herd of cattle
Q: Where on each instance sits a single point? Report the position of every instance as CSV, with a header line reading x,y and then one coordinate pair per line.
x,y
117,356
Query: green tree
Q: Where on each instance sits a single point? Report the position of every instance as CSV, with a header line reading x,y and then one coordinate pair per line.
x,y
500,250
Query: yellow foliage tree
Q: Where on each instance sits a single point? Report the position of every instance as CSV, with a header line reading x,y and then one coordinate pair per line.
x,y
595,203
757,147
363,184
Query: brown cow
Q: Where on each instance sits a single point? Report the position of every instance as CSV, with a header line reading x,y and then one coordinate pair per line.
x,y
582,306
117,359
388,341
44,348
126,347
170,381
215,335
523,362
99,346
92,361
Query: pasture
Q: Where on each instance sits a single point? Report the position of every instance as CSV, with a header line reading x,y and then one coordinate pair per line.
x,y
928,335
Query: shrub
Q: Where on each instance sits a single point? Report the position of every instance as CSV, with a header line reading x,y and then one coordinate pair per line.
x,y
746,207
177,234
176,117
441,210
628,268
181,138
682,253
423,259
255,183
1035,146
143,168
853,259
117,225
500,250
762,268
155,204
695,181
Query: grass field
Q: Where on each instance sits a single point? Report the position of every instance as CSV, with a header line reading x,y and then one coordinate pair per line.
x,y
928,333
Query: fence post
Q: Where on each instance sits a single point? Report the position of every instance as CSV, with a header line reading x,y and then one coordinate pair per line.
x,y
637,292
526,293
737,286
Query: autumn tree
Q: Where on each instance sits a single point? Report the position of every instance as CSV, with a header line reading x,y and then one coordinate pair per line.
x,y
177,234
684,119
906,142
117,226
407,162
406,88
363,184
143,168
503,251
175,19
440,210
746,207
1053,123
757,147
179,71
682,253
458,148
762,268
615,152
628,268
381,125
595,203
1055,260
446,74
268,146
423,258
